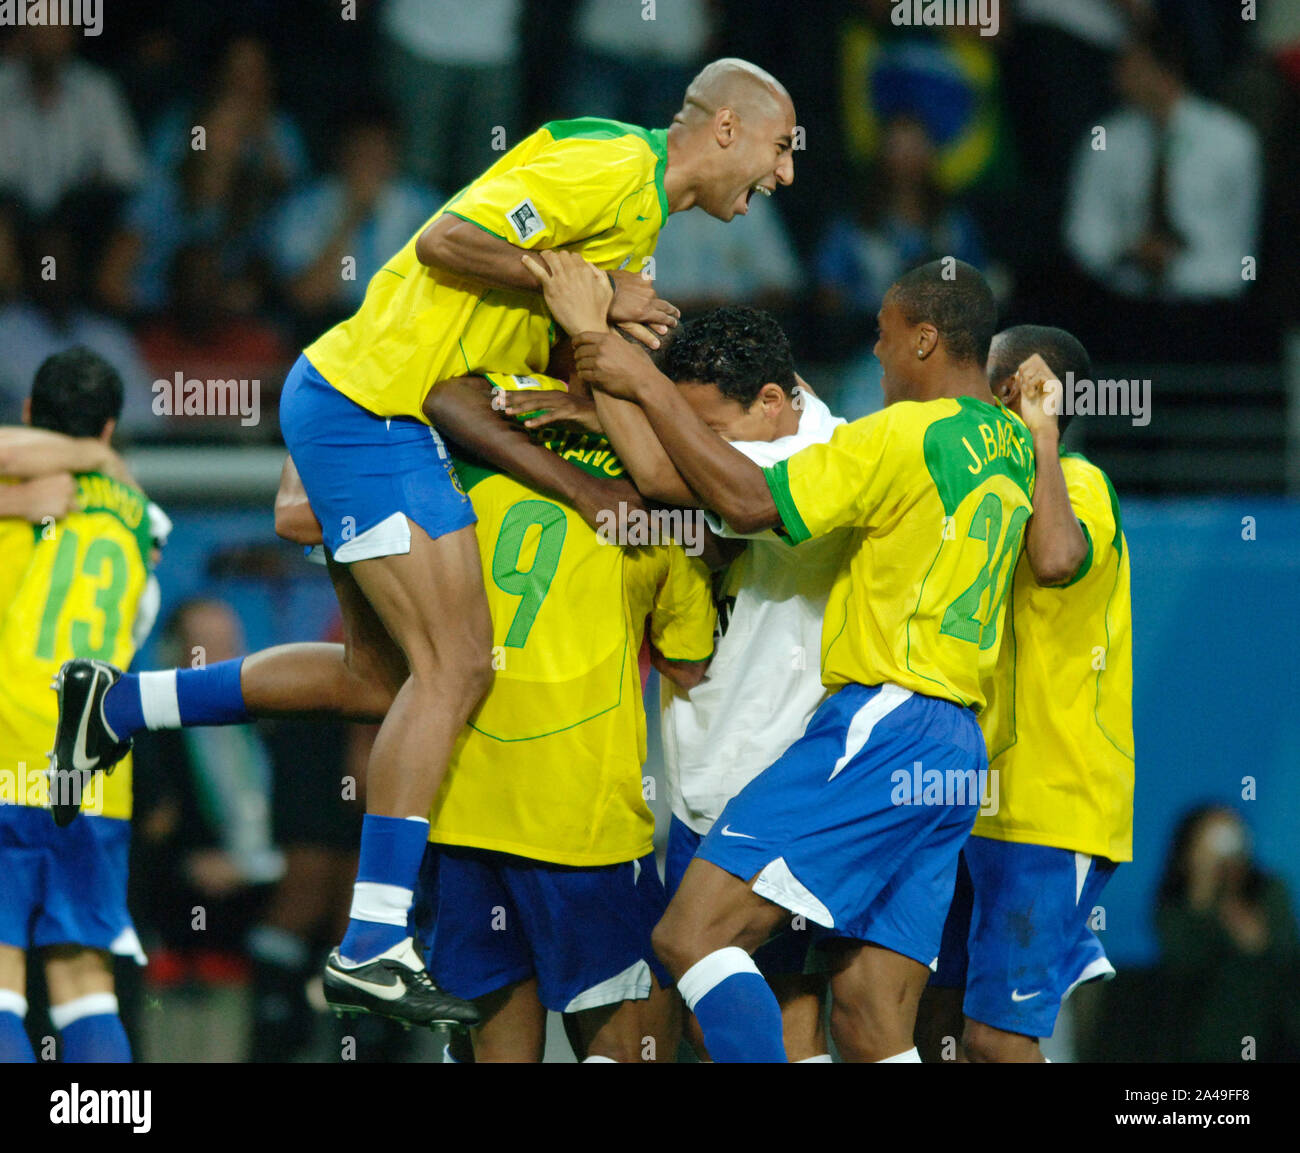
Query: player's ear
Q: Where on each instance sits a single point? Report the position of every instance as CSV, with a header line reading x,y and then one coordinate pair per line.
x,y
726,125
927,340
1007,390
27,410
106,433
772,399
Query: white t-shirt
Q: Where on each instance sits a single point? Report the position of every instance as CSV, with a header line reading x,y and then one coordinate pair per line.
x,y
764,682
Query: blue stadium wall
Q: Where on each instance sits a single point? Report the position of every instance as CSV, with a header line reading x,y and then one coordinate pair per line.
x,y
1216,647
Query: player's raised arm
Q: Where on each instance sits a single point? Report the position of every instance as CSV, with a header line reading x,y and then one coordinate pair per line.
x,y
726,480
578,299
462,410
1054,540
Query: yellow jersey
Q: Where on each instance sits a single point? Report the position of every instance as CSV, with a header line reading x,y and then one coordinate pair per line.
x,y
71,589
590,186
549,766
1059,723
938,494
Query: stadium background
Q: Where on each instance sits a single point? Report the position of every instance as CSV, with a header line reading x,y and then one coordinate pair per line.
x,y
220,262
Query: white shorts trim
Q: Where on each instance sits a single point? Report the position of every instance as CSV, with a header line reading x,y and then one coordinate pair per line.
x,y
866,718
779,885
390,537
632,984
1098,969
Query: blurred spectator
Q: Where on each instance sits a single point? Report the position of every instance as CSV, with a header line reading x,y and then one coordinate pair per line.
x,y
1059,56
702,263
50,314
203,821
1170,206
632,62
947,79
365,212
270,149
1229,943
202,337
220,193
453,71
903,219
65,124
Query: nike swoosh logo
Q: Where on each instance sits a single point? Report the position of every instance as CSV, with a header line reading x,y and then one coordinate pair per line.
x,y
385,992
726,832
79,758
1017,995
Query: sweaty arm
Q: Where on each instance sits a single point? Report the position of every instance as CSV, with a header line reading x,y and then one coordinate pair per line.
x,y
466,249
461,409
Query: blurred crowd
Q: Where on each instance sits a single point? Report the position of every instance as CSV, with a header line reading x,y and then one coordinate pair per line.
x,y
202,188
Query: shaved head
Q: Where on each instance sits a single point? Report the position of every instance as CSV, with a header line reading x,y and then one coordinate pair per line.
x,y
737,84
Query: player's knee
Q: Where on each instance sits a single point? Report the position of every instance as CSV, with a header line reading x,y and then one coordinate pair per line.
x,y
983,1044
669,943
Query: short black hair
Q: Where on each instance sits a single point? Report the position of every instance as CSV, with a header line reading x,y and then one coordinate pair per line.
x,y
736,349
76,392
954,297
1062,351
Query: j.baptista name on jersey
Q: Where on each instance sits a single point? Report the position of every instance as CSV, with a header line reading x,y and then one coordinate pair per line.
x,y
1005,442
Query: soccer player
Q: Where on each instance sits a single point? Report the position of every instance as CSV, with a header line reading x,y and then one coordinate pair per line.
x,y
1059,729
540,887
734,368
858,826
76,583
398,529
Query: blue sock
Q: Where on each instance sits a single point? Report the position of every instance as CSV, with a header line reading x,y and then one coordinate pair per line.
x,y
391,851
15,1048
92,1031
176,698
737,1011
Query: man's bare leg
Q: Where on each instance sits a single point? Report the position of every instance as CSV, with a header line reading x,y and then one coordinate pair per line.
x,y
83,1004
874,996
631,1031
514,1025
14,1043
712,924
983,1044
939,1024
801,997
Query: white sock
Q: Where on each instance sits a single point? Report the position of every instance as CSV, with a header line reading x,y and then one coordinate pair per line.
x,y
11,1002
594,1059
820,1059
382,904
709,972
92,1005
911,1057
158,701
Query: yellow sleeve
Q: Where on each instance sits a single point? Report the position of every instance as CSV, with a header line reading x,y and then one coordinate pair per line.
x,y
1091,498
841,482
571,190
683,617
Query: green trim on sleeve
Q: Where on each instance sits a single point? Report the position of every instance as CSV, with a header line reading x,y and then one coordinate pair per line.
x,y
778,482
476,224
1086,566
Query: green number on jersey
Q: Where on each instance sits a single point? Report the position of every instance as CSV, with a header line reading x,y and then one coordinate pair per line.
x,y
532,585
108,597
962,620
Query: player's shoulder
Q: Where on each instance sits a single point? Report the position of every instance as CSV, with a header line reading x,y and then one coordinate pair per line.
x,y
604,134
1091,491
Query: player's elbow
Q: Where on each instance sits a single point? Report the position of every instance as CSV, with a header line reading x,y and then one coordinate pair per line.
x,y
685,674
435,247
748,516
1058,568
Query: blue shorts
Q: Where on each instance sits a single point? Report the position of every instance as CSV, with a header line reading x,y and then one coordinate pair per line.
x,y
781,955
1017,935
491,919
366,476
64,886
859,824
